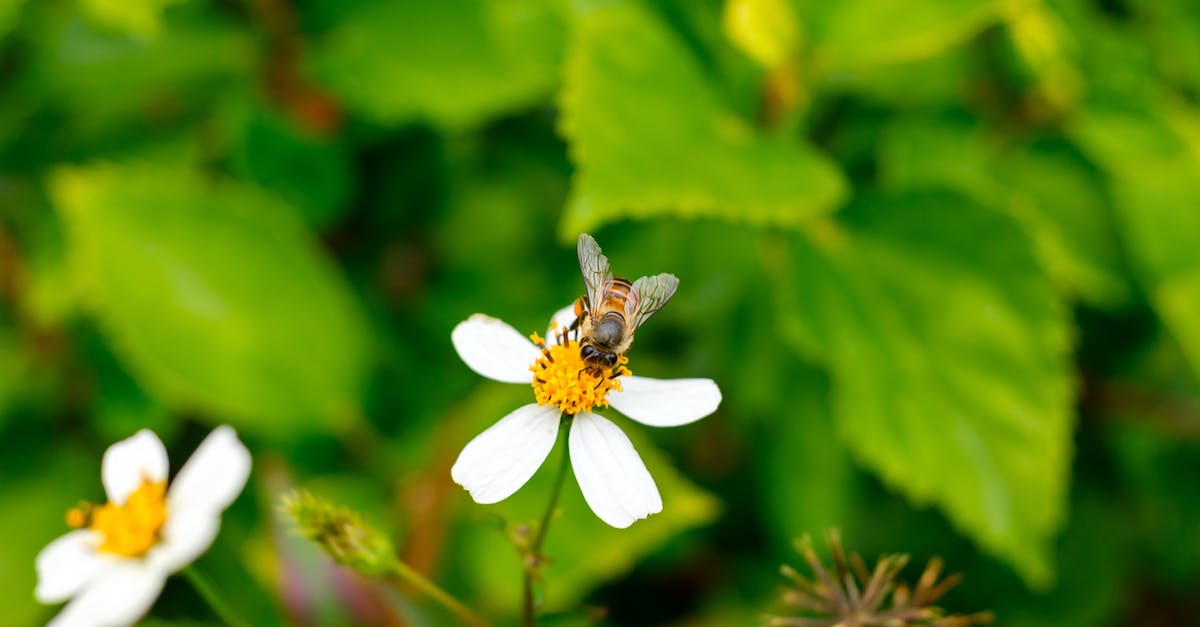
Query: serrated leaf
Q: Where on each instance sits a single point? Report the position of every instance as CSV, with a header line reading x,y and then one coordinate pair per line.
x,y
855,35
650,136
578,563
949,356
214,296
1152,155
1052,191
455,64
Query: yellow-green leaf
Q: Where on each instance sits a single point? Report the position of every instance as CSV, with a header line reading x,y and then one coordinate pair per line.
x,y
1054,193
651,136
455,64
1152,155
134,17
215,296
950,362
853,35
766,30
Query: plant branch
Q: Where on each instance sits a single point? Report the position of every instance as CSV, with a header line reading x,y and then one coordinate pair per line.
x,y
402,573
534,557
210,595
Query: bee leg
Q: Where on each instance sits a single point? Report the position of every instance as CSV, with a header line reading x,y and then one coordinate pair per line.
x,y
581,310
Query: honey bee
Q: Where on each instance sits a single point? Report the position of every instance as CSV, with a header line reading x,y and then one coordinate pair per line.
x,y
607,315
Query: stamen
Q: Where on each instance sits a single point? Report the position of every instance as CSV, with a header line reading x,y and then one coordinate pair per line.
x,y
566,381
130,529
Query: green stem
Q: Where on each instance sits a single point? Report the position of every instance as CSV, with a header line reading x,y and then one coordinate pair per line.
x,y
213,598
403,573
535,550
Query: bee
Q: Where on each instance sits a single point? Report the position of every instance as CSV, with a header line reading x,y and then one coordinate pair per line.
x,y
607,315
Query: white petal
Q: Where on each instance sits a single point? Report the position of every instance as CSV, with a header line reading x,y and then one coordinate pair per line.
x,y
67,564
665,402
500,460
118,598
214,475
185,536
126,464
562,319
613,479
495,350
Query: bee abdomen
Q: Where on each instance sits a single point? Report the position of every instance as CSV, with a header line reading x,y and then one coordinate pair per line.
x,y
617,295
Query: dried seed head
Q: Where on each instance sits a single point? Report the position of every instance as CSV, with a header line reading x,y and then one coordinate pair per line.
x,y
850,595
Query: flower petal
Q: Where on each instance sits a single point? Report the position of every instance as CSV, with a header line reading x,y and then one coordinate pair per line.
x,y
665,402
613,479
500,460
68,564
126,464
495,350
120,597
213,476
562,319
185,536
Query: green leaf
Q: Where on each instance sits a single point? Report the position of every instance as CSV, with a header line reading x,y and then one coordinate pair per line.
x,y
1152,155
13,367
1048,188
1096,536
650,136
809,481
855,35
578,564
455,64
96,79
313,174
215,296
33,509
1157,466
134,17
949,357
10,12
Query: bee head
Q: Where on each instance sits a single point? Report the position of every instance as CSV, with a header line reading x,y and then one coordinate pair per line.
x,y
593,355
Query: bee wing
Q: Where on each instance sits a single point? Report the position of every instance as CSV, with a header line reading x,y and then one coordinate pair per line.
x,y
649,295
594,266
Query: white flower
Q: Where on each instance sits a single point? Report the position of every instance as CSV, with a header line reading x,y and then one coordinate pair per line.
x,y
113,566
613,479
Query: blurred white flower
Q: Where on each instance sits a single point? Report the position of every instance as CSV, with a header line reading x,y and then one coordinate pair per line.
x,y
114,565
611,475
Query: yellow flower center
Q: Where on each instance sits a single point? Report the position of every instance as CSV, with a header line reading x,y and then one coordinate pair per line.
x,y
130,529
561,377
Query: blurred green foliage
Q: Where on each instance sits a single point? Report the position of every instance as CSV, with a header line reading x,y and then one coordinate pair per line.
x,y
942,257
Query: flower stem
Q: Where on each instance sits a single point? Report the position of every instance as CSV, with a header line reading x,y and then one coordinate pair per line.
x,y
403,573
213,598
535,549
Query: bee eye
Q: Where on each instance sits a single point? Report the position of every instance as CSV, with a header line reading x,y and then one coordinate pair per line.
x,y
588,351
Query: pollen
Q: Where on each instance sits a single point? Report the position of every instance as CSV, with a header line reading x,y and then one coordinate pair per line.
x,y
561,378
130,529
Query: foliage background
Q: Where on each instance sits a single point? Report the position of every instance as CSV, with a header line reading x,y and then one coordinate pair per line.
x,y
942,256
